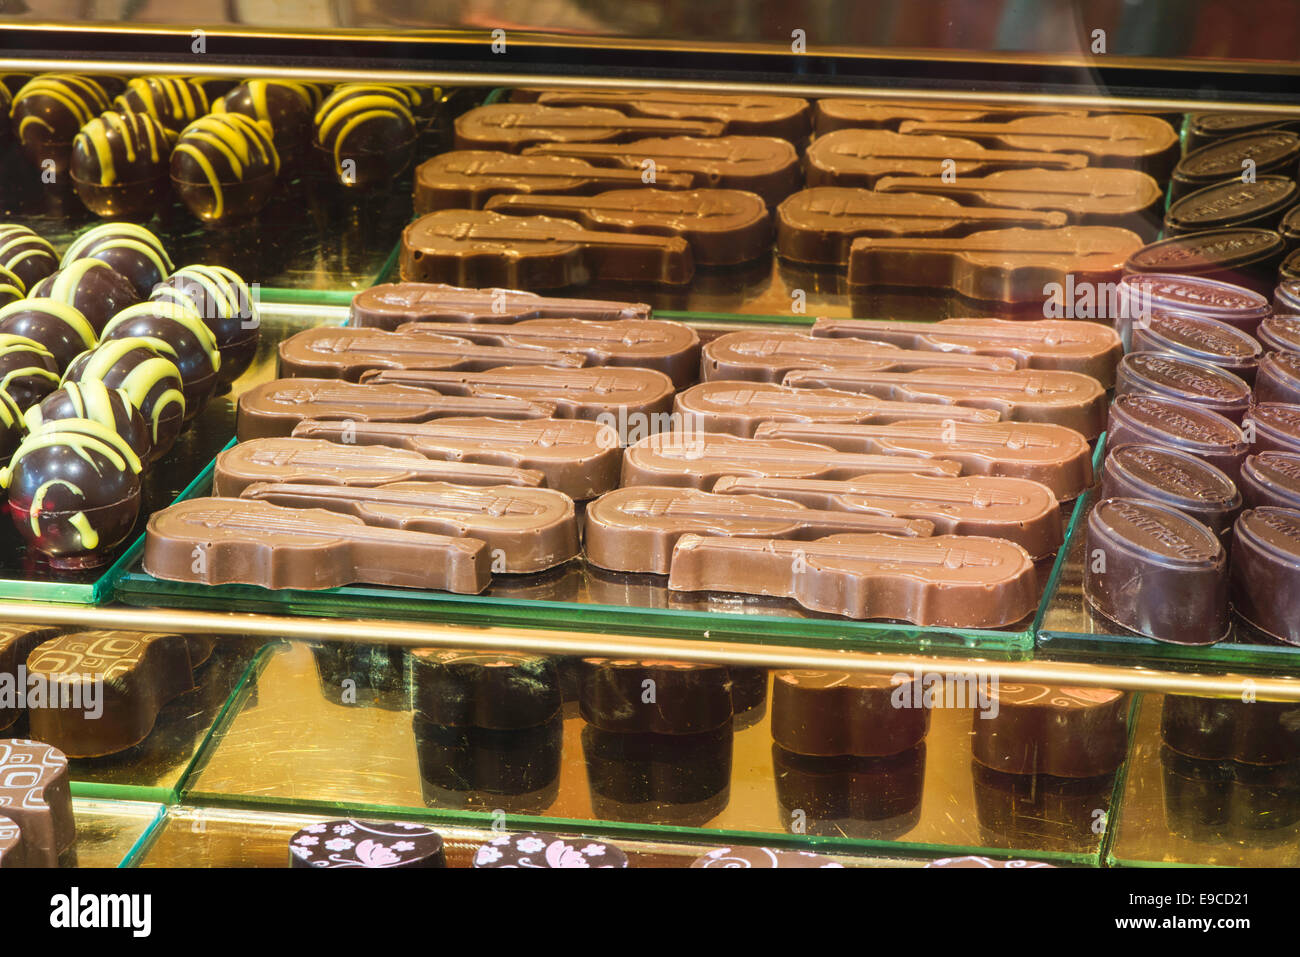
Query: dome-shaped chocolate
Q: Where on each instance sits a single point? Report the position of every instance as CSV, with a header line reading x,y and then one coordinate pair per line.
x,y
48,111
224,167
74,491
92,287
192,345
60,328
365,134
119,164
146,371
174,101
26,254
133,252
224,302
28,372
285,106
95,401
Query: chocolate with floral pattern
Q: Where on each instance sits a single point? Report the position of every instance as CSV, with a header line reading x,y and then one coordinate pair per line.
x,y
353,843
547,850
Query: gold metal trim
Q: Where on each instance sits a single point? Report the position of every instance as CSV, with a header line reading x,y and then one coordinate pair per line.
x,y
811,90
422,634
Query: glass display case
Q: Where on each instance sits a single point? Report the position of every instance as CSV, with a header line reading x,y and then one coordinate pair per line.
x,y
310,705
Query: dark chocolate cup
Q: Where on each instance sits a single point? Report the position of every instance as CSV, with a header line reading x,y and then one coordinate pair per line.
x,y
59,540
1146,419
138,200
1057,731
1276,426
1229,729
1278,378
1184,379
1200,337
1156,571
1174,478
1271,478
242,199
1266,571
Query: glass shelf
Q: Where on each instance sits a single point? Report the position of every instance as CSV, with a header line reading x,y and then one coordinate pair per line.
x,y
109,832
288,740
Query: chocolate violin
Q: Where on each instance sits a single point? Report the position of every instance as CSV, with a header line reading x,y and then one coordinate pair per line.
x,y
760,164
513,126
390,305
482,248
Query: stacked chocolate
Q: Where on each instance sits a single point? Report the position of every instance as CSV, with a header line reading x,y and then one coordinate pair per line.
x,y
105,357
1202,476
559,187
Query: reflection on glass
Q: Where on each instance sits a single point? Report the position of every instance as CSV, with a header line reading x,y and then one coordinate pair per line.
x,y
1037,810
681,779
877,799
479,769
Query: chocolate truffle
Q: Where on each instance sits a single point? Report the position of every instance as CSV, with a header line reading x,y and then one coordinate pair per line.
x,y
286,107
148,375
90,286
224,167
187,340
74,491
226,305
35,795
119,164
93,400
1156,571
26,255
365,135
354,843
1063,732
139,673
60,328
131,250
762,857
173,101
47,113
28,372
1266,570
11,287
547,850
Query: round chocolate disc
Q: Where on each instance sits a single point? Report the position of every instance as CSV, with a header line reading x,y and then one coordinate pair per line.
x,y
1177,479
1185,379
373,844
547,850
1260,203
762,857
985,862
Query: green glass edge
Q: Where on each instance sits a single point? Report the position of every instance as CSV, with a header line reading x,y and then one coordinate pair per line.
x,y
145,840
1076,515
1116,814
709,837
146,794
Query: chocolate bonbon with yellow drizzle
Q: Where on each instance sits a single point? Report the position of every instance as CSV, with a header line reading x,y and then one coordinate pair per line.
x,y
285,106
74,491
191,344
226,305
146,370
173,101
93,400
48,111
26,255
11,426
28,372
93,288
119,164
131,250
224,167
60,328
364,134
